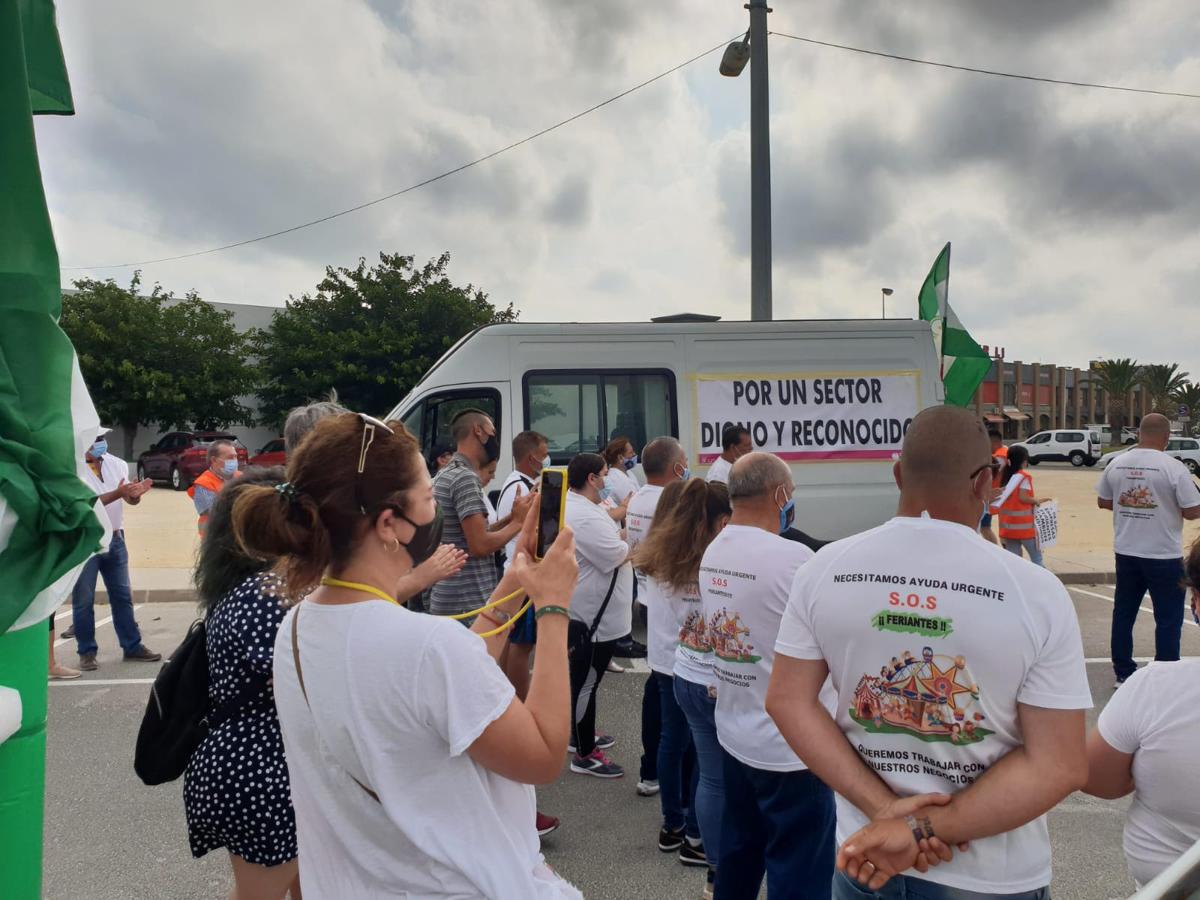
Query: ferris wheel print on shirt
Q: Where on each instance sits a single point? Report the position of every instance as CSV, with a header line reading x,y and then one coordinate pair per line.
x,y
933,698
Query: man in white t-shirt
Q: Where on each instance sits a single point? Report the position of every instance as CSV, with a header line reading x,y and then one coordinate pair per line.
x,y
663,461
1150,495
108,476
778,816
735,443
959,674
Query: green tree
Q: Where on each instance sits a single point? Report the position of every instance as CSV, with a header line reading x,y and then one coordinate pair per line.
x,y
1162,382
369,333
1189,396
156,359
1117,377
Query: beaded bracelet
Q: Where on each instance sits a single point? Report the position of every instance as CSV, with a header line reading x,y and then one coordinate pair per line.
x,y
556,610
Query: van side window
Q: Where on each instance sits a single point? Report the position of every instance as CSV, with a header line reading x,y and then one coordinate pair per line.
x,y
430,420
583,410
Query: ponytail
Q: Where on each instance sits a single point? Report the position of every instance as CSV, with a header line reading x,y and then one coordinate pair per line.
x,y
272,524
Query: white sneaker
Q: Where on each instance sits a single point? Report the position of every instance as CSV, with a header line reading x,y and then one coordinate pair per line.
x,y
614,668
647,788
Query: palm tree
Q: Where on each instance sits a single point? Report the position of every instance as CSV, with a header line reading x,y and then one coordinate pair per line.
x,y
1117,377
1189,395
1161,383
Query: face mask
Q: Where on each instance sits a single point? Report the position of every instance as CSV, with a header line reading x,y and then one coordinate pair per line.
x,y
631,462
547,462
685,474
425,539
605,494
491,448
787,515
99,448
229,467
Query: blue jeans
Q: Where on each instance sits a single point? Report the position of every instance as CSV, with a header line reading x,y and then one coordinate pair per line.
x,y
676,780
904,887
780,824
113,566
700,708
1164,579
1031,547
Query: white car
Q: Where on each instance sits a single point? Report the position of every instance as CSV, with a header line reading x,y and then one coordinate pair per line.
x,y
1186,450
1078,446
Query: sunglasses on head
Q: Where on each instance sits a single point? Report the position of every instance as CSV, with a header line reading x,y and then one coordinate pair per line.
x,y
370,424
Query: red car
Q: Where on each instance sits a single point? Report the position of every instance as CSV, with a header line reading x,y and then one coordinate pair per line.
x,y
270,455
181,456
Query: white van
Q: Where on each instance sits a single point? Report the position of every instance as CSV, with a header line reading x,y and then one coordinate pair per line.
x,y
833,398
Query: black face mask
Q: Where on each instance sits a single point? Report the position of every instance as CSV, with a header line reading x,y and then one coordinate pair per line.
x,y
426,538
491,447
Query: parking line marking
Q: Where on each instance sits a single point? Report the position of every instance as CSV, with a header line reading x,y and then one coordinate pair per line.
x,y
99,622
1187,620
100,682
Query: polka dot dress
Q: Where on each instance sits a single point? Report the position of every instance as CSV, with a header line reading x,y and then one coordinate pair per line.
x,y
235,790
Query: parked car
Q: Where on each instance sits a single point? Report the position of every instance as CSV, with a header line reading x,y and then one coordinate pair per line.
x,y
270,455
1077,446
1129,435
179,457
1186,450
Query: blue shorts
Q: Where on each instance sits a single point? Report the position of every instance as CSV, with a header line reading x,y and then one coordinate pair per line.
x,y
525,631
986,521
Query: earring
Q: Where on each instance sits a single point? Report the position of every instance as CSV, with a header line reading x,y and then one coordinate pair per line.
x,y
392,549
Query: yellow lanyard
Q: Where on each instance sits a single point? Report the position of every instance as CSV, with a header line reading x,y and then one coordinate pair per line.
x,y
383,595
359,586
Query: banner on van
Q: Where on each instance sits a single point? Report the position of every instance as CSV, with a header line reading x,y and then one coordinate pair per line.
x,y
808,417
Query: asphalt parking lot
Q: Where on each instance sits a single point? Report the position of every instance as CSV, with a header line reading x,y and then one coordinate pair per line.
x,y
109,837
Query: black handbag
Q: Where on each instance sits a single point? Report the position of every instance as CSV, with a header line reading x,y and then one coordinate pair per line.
x,y
579,635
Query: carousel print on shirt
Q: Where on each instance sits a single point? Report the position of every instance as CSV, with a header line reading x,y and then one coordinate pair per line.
x,y
730,638
693,633
1139,497
932,698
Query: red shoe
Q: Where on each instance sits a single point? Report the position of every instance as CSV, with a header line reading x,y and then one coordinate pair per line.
x,y
546,824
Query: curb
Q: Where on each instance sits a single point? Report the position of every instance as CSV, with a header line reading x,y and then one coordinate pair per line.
x,y
1087,577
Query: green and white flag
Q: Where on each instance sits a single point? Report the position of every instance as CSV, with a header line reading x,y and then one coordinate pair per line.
x,y
50,521
964,363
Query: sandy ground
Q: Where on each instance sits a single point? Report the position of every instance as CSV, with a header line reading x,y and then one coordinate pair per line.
x,y
162,539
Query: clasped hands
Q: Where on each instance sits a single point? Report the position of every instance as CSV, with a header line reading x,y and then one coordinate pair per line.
x,y
887,846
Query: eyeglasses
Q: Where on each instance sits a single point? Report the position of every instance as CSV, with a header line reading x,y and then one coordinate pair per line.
x,y
995,465
370,424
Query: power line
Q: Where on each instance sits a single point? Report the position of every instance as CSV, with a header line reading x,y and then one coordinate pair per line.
x,y
942,65
427,181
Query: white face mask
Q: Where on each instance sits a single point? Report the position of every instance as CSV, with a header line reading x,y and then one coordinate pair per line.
x,y
546,462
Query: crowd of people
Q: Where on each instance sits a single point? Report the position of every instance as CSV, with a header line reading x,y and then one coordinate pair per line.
x,y
889,715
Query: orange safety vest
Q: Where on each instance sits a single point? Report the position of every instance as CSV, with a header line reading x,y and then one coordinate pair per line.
x,y
213,483
1016,518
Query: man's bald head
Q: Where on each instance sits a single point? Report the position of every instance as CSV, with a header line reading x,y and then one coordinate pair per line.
x,y
943,446
1154,431
757,475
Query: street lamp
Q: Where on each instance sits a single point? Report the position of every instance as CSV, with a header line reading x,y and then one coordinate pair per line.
x,y
753,48
887,292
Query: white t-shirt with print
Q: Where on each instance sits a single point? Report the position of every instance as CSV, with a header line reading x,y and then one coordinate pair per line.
x,y
667,611
516,484
398,699
693,647
745,576
719,470
600,551
638,518
1155,717
1148,489
932,638
113,470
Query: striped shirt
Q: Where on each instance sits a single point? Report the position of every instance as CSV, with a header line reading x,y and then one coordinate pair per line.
x,y
459,493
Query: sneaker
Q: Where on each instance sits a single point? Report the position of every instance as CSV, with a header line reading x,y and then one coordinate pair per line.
x,y
87,662
63,673
709,884
603,742
546,824
69,633
1120,681
615,669
597,764
670,839
143,654
647,787
692,853
629,648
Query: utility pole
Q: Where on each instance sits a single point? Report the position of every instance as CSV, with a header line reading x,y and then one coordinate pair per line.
x,y
760,166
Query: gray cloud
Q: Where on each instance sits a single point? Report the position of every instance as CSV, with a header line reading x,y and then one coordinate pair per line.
x,y
571,204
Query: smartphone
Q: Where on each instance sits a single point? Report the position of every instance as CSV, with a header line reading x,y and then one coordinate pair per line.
x,y
552,508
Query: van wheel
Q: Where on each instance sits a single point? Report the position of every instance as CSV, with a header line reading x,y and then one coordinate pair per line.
x,y
1033,460
177,480
1192,466
1077,459
1090,461
141,472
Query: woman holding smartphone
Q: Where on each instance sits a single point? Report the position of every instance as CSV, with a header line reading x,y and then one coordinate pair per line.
x,y
411,759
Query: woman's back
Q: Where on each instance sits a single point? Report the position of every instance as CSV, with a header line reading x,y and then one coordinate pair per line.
x,y
399,698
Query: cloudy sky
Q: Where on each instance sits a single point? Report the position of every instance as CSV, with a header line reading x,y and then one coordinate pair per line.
x,y
1074,214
